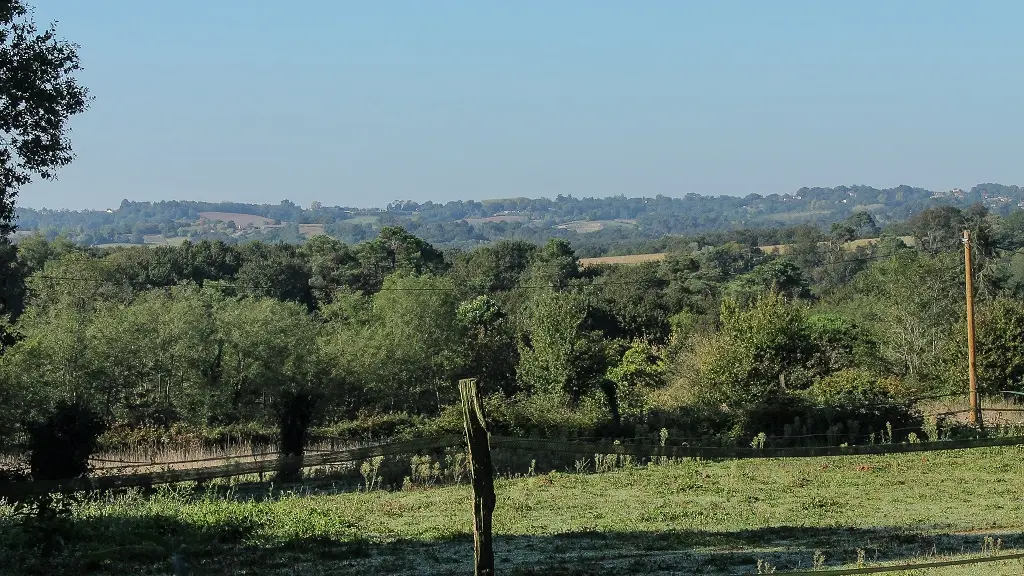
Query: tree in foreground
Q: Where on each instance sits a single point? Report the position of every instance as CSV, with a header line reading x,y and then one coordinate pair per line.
x,y
38,94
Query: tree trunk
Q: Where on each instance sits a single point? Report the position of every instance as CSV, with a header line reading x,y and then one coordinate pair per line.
x,y
294,417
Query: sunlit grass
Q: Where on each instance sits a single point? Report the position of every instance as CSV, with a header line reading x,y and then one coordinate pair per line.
x,y
681,517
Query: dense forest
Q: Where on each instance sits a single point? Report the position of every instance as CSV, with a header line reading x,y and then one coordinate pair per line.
x,y
718,341
594,226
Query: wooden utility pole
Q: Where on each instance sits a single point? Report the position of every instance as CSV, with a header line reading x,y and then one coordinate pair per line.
x,y
971,369
483,477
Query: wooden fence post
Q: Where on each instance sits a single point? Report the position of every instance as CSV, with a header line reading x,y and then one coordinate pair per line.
x,y
483,477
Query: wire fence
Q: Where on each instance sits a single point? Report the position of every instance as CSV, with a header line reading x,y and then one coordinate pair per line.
x,y
440,443
708,446
435,444
200,474
153,462
699,442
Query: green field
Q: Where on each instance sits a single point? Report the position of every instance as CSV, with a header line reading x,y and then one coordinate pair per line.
x,y
587,226
365,219
675,518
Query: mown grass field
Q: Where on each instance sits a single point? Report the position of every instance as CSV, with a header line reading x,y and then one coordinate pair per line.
x,y
498,218
687,517
240,220
768,249
365,219
587,226
629,259
310,230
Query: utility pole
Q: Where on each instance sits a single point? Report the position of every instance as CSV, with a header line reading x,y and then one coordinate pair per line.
x,y
971,368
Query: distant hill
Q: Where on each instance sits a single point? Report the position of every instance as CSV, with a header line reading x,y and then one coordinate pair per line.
x,y
588,222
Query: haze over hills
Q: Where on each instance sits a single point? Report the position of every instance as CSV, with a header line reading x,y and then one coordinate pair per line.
x,y
465,223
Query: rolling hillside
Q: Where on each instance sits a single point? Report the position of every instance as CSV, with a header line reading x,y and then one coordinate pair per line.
x,y
463,224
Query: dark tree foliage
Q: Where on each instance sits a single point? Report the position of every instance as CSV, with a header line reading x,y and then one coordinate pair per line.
x,y
490,341
937,229
275,271
631,303
495,268
396,250
294,417
38,94
60,445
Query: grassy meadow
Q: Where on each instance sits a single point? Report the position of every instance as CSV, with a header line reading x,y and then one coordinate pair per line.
x,y
770,249
682,517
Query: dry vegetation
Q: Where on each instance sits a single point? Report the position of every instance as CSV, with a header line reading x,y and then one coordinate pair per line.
x,y
769,249
240,220
499,218
852,245
140,459
631,259
587,226
310,230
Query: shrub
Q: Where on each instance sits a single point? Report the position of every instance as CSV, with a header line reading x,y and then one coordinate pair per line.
x,y
61,445
376,426
548,416
851,404
838,344
558,355
1001,345
295,413
759,352
692,424
640,371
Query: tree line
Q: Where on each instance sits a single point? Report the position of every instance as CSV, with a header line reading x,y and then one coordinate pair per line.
x,y
464,224
717,341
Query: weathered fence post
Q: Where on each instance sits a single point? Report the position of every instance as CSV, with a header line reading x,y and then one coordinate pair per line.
x,y
483,477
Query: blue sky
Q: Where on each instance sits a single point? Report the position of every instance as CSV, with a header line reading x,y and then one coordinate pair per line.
x,y
361,103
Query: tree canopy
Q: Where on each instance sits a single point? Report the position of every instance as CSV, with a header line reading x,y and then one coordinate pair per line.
x,y
38,95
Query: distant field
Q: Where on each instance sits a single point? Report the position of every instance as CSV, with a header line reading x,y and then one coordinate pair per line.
x,y
310,230
870,207
240,220
582,226
366,219
791,216
631,259
501,218
159,240
853,245
586,226
681,517
770,249
908,240
115,245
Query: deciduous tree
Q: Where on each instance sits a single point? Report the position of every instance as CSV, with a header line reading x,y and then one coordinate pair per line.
x,y
38,94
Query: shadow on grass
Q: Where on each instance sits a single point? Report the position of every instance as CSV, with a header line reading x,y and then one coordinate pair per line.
x,y
236,544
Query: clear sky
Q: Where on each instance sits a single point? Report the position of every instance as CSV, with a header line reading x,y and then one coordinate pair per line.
x,y
364,102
